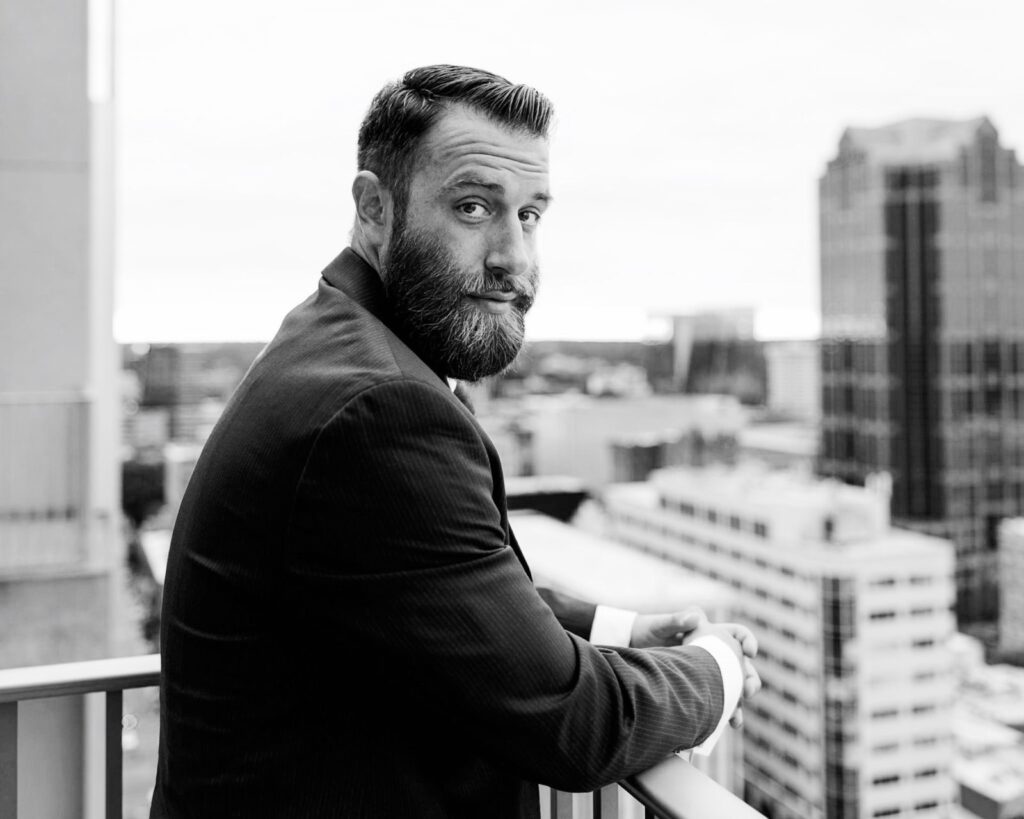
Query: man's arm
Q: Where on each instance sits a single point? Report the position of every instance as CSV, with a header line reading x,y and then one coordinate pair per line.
x,y
399,548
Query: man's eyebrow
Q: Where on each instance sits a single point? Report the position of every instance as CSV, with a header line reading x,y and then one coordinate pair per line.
x,y
494,187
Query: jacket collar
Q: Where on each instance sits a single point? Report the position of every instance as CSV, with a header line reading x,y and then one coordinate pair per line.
x,y
350,274
353,276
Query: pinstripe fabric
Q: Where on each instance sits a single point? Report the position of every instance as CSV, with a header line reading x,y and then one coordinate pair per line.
x,y
349,628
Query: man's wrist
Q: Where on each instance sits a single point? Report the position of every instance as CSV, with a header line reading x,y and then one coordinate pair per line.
x,y
612,626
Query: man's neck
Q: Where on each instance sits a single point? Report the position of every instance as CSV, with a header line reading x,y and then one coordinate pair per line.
x,y
365,251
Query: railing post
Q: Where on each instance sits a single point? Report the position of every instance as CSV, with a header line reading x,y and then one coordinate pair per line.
x,y
9,760
115,707
606,803
561,804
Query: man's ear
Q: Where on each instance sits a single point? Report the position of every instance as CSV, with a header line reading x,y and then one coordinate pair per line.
x,y
372,202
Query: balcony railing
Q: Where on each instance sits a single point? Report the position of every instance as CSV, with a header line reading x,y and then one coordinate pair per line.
x,y
673,789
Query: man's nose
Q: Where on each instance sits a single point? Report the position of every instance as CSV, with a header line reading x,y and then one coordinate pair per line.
x,y
508,253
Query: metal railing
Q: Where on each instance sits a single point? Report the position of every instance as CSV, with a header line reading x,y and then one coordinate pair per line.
x,y
68,679
673,789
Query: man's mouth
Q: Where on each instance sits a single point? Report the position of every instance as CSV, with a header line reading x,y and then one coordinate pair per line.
x,y
494,301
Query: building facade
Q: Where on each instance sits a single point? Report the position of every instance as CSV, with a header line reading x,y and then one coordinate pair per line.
x,y
1011,578
794,379
59,498
852,618
922,293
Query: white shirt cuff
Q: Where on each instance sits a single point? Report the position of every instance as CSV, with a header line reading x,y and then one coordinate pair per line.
x,y
612,626
732,685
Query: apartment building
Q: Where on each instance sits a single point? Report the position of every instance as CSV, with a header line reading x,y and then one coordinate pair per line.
x,y
852,617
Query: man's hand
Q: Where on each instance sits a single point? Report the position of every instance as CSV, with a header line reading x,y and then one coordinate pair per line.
x,y
744,645
652,630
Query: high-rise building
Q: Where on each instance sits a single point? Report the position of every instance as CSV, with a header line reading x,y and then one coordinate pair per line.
x,y
852,618
1011,579
922,293
715,352
59,505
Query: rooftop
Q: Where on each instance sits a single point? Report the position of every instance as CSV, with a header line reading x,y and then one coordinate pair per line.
x,y
914,141
614,574
793,504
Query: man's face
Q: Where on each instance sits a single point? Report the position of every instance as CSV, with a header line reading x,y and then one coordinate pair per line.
x,y
460,265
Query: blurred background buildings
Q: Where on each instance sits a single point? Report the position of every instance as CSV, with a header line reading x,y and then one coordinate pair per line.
x,y
845,496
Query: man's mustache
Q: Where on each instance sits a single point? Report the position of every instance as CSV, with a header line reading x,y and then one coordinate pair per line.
x,y
524,287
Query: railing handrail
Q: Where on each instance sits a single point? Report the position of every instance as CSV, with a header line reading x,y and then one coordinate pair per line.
x,y
674,789
84,677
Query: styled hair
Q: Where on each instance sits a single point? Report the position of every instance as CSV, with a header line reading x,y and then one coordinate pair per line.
x,y
403,111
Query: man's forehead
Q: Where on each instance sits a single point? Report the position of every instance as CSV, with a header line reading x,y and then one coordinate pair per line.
x,y
465,144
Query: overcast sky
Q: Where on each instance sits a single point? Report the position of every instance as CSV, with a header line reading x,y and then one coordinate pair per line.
x,y
688,143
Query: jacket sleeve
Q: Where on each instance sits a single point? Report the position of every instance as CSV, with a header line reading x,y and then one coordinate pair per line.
x,y
575,615
399,548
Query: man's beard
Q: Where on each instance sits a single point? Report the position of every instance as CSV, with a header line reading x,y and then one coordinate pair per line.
x,y
429,299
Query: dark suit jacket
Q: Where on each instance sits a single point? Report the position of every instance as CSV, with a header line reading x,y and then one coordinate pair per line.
x,y
349,628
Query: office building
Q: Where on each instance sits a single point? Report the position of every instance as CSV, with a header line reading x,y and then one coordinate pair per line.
x,y
794,379
715,352
852,616
988,721
922,293
59,506
1011,579
574,434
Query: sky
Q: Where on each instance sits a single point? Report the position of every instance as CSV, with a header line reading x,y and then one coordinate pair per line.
x,y
684,162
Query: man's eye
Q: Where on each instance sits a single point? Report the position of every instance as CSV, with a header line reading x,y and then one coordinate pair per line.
x,y
529,218
475,210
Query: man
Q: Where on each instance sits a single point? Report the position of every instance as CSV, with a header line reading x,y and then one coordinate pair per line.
x,y
349,627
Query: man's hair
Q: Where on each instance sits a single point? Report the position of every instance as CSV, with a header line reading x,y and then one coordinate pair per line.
x,y
403,111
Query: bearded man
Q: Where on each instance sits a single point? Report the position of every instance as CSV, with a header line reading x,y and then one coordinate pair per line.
x,y
349,626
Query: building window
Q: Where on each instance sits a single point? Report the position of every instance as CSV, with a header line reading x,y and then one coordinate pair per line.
x,y
923,709
885,780
887,713
926,805
886,812
926,773
883,615
760,529
923,643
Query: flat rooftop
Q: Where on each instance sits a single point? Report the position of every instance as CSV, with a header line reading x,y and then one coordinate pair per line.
x,y
595,568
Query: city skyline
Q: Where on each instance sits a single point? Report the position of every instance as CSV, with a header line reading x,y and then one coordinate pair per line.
x,y
684,165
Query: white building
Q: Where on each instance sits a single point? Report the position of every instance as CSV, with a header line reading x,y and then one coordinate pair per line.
x,y
1011,586
59,494
853,619
794,378
573,434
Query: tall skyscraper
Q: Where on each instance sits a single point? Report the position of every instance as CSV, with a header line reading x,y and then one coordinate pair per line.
x,y
852,618
922,296
59,504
